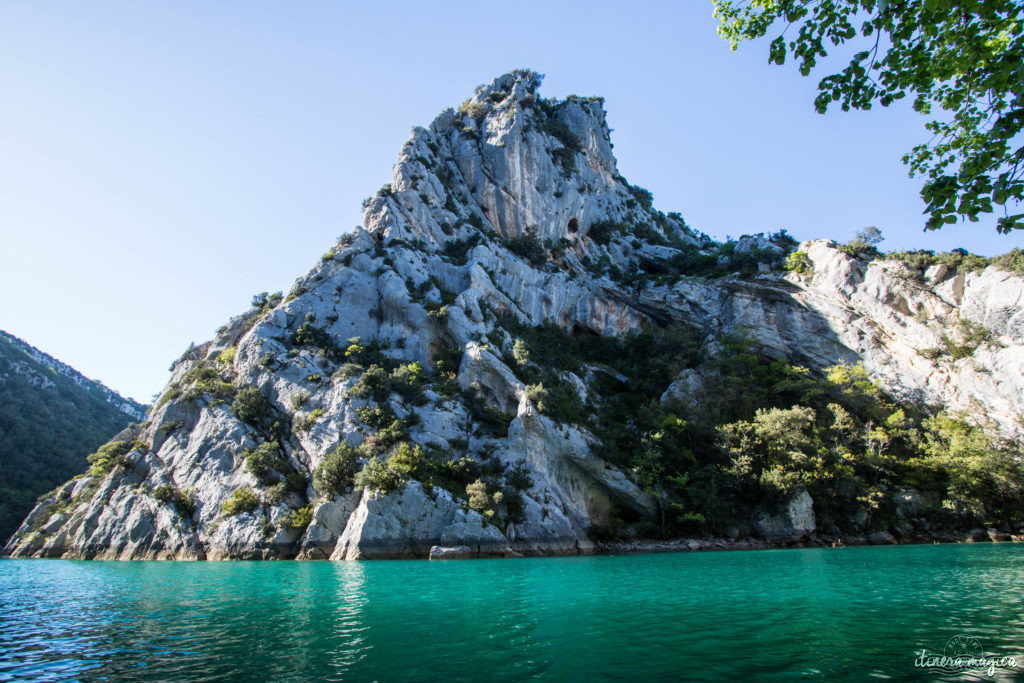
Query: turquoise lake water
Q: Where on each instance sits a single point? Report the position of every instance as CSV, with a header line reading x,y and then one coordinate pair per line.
x,y
778,614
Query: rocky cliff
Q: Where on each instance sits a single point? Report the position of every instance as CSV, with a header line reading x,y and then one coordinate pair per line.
x,y
401,399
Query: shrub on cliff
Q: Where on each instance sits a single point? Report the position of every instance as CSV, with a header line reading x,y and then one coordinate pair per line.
x,y
483,498
107,457
373,384
261,460
249,406
394,473
335,474
241,501
184,501
798,262
529,247
298,519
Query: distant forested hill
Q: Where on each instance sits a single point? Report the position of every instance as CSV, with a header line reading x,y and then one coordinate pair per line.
x,y
51,417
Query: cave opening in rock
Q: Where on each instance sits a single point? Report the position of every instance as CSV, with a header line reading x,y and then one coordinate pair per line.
x,y
574,225
578,331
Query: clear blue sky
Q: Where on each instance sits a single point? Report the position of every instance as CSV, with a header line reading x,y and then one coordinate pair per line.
x,y
162,162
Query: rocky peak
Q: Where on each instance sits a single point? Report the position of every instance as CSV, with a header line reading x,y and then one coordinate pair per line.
x,y
388,403
506,163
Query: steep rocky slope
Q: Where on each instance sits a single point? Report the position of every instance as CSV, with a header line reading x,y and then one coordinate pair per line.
x,y
388,405
51,417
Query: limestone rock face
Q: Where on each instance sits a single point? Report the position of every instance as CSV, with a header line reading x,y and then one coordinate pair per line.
x,y
794,523
511,207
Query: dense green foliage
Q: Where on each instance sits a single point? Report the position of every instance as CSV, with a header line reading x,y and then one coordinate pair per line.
x,y
704,259
260,461
310,336
183,501
298,519
760,429
205,381
394,473
799,263
241,501
920,260
107,457
961,61
529,247
250,406
334,475
457,251
45,433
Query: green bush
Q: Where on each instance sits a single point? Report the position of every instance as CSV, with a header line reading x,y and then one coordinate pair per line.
x,y
564,156
484,498
184,501
798,262
558,400
265,302
373,384
241,501
971,335
170,426
261,460
641,195
475,110
394,473
484,415
408,382
1012,261
204,379
373,475
348,370
310,336
537,395
304,422
165,493
335,474
520,352
437,311
296,482
959,259
250,406
298,519
275,493
457,251
227,356
518,477
107,457
565,159
603,232
376,417
529,247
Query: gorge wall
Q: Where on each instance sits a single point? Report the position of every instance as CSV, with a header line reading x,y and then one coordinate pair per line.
x,y
397,356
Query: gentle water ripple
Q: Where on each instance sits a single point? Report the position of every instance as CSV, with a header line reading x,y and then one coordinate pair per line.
x,y
844,614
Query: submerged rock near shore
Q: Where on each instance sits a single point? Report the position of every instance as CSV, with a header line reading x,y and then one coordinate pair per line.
x,y
416,394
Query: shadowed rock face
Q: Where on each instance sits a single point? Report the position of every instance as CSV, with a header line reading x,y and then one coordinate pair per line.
x,y
452,230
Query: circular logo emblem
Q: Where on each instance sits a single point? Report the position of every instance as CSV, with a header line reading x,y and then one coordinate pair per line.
x,y
963,646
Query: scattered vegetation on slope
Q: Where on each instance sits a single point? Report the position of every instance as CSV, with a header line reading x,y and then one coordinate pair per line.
x,y
756,430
